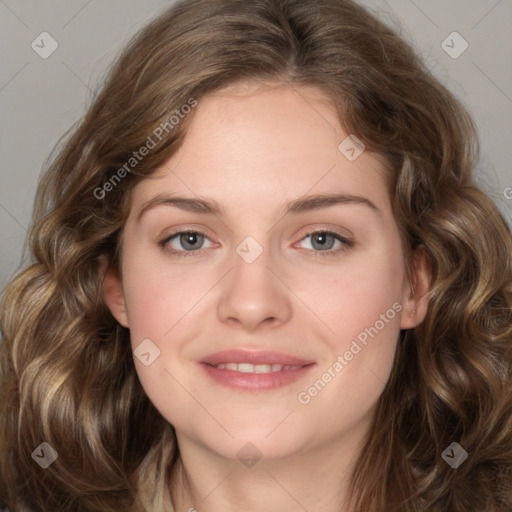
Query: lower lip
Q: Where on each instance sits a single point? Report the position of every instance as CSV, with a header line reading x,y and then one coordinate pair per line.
x,y
255,381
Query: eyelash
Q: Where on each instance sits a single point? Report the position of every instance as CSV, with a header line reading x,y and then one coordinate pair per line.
x,y
348,244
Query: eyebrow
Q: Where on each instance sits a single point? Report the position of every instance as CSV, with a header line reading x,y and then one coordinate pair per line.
x,y
301,205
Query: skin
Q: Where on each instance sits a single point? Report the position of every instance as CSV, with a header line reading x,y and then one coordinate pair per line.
x,y
252,147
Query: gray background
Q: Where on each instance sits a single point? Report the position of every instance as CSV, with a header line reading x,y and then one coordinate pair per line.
x,y
41,98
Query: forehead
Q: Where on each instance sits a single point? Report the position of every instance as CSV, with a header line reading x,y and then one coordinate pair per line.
x,y
258,143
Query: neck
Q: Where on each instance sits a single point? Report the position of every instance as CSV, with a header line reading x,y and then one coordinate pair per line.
x,y
312,480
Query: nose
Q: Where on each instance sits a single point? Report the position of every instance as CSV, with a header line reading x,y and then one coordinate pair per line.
x,y
253,295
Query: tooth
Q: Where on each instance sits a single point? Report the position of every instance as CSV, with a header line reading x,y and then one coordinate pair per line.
x,y
258,368
262,368
245,368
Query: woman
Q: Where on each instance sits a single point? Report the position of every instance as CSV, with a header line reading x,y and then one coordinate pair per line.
x,y
339,338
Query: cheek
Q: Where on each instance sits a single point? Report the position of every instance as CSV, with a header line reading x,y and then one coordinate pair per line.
x,y
159,294
162,306
360,306
352,296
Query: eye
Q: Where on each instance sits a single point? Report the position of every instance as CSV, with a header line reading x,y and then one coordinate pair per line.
x,y
190,242
184,243
323,241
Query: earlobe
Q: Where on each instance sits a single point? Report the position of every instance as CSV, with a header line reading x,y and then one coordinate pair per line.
x,y
114,297
414,299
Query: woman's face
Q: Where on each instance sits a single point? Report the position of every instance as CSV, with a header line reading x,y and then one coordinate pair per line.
x,y
324,309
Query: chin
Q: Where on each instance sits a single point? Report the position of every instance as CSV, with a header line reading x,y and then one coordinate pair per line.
x,y
253,444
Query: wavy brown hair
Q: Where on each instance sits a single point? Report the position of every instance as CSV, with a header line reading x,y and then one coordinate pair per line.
x,y
67,371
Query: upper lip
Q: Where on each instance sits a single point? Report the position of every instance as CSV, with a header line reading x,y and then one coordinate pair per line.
x,y
255,357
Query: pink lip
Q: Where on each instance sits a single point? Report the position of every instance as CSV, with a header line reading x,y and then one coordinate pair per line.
x,y
261,357
254,381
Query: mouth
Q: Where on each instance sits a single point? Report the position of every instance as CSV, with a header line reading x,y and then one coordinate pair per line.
x,y
254,371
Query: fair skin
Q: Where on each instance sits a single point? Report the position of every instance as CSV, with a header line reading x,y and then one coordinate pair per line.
x,y
253,147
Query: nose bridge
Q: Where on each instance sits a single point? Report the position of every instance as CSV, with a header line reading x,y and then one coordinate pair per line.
x,y
251,293
252,261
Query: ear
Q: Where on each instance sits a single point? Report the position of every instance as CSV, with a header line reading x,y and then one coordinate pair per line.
x,y
113,295
414,300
